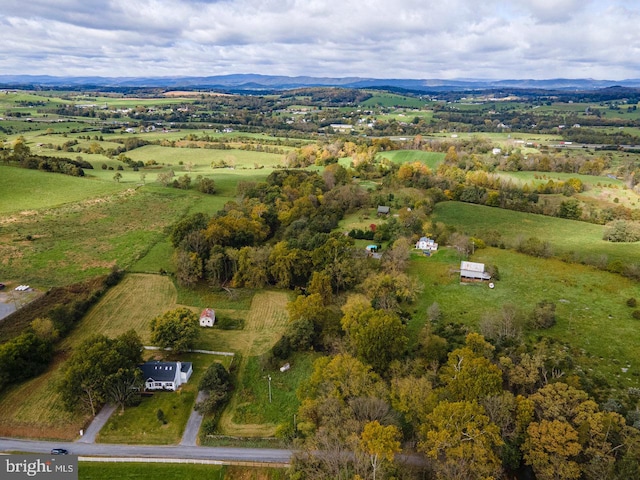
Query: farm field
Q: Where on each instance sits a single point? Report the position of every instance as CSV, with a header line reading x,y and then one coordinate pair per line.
x,y
57,246
591,309
34,409
431,159
17,187
131,304
565,236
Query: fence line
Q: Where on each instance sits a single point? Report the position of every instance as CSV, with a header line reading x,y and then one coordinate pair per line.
x,y
200,461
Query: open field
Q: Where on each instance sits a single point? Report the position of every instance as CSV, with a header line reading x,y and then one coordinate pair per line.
x,y
565,236
253,404
203,157
590,304
431,159
27,190
62,245
131,304
34,409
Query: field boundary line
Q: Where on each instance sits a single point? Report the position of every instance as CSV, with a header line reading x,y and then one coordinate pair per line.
x,y
207,352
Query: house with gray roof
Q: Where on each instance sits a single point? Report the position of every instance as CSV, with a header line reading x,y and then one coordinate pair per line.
x,y
165,375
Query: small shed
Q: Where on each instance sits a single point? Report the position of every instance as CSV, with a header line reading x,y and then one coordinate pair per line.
x,y
207,317
473,272
383,210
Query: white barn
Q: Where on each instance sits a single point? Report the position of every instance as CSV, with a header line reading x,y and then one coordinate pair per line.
x,y
473,272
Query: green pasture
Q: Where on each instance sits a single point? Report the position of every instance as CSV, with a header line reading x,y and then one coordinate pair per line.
x,y
22,189
567,237
540,178
431,159
380,99
592,315
66,244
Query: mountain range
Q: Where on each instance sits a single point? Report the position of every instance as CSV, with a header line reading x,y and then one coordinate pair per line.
x,y
252,82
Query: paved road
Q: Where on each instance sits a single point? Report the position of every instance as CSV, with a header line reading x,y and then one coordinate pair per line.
x,y
190,435
262,455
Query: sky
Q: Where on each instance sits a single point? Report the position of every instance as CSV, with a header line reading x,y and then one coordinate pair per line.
x,y
417,39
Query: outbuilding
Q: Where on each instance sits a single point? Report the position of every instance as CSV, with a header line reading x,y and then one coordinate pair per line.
x,y
473,272
208,317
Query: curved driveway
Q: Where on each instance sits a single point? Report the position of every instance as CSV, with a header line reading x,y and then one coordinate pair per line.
x,y
224,454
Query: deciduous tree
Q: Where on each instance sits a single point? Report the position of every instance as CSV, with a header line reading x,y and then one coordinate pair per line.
x,y
176,329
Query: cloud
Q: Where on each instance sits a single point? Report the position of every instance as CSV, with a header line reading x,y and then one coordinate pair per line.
x,y
373,38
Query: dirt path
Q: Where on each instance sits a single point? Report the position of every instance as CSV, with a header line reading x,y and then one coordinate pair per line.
x,y
265,323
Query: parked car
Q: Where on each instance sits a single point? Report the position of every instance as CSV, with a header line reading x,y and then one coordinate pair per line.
x,y
2,285
59,451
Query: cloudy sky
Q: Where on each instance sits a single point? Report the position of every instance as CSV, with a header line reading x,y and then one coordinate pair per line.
x,y
484,39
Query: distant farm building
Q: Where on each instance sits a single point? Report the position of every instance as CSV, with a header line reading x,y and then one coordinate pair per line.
x,y
383,210
427,245
165,375
207,317
473,272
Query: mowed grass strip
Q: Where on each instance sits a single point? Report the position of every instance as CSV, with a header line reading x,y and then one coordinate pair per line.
x,y
592,315
565,236
149,471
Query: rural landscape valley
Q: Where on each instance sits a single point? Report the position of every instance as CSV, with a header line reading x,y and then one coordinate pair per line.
x,y
372,282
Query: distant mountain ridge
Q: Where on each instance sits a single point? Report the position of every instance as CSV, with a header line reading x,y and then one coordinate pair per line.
x,y
275,82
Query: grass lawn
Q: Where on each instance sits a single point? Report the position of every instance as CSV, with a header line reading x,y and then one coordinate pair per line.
x,y
253,404
149,471
591,309
155,471
565,236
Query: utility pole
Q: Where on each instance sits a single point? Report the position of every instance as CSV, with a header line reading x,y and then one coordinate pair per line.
x,y
269,388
